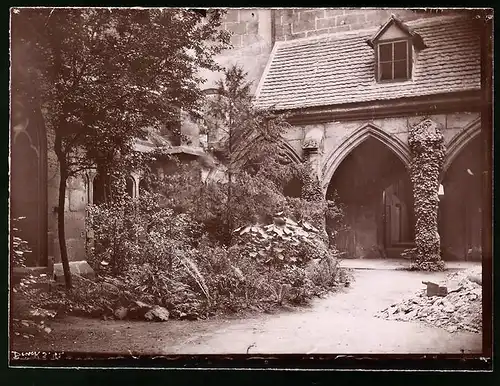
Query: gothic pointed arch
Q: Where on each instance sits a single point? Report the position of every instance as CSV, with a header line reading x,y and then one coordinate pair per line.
x,y
288,149
366,131
459,142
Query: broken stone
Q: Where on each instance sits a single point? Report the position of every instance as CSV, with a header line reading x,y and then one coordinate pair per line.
x,y
475,279
138,309
121,313
437,303
434,289
458,309
392,310
450,308
157,313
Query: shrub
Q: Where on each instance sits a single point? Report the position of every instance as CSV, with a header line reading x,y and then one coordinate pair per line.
x,y
19,246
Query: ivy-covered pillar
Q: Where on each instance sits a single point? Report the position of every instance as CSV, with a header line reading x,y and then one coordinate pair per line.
x,y
427,149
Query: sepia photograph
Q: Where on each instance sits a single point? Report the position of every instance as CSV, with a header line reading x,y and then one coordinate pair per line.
x,y
275,184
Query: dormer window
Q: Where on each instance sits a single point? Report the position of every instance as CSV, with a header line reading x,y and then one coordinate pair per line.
x,y
394,60
393,46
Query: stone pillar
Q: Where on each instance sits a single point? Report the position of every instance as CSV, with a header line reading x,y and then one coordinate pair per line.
x,y
136,176
89,233
90,174
312,146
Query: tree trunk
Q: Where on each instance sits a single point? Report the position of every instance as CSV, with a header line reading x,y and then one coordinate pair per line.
x,y
60,212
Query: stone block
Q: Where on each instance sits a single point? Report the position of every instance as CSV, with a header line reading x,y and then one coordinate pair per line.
x,y
317,32
253,27
349,19
77,199
287,16
434,289
378,16
334,12
236,40
232,16
306,22
460,120
298,35
325,23
287,29
341,28
249,15
251,40
278,19
239,28
81,268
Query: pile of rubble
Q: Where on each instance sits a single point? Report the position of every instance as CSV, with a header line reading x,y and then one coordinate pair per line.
x,y
453,305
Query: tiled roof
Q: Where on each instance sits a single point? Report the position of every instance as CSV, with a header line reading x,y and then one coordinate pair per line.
x,y
339,68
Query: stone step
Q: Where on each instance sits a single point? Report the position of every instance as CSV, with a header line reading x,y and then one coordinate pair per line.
x,y
395,251
81,268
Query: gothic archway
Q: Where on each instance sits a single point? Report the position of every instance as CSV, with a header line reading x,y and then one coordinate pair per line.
x,y
459,142
287,150
359,136
461,205
370,178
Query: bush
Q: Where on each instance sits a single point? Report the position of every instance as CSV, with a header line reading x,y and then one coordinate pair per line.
x,y
193,277
19,246
179,250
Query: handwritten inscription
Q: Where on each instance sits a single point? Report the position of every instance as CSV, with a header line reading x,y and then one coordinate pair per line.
x,y
35,355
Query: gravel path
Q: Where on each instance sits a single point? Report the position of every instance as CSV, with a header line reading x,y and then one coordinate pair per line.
x,y
341,323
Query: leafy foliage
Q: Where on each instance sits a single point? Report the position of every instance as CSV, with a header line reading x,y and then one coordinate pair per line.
x,y
281,243
427,146
174,262
103,75
19,247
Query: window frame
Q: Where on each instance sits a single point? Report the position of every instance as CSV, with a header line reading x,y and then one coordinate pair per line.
x,y
409,60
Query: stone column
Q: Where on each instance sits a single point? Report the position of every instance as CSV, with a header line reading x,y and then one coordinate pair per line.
x,y
136,176
90,174
311,189
89,233
312,146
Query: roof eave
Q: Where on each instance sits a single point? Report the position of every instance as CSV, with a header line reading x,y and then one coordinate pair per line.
x,y
462,100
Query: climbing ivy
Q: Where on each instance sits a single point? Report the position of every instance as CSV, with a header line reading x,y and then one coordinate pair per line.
x,y
427,148
312,195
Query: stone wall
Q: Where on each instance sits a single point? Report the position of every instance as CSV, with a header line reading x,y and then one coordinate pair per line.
x,y
252,44
300,23
75,206
363,218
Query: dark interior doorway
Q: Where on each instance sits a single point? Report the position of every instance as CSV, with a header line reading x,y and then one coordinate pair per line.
x,y
28,180
373,185
460,206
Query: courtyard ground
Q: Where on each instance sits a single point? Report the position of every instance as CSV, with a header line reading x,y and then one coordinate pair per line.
x,y
342,322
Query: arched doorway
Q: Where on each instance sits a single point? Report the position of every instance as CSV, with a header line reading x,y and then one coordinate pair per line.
x,y
28,180
373,185
460,206
100,189
130,184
